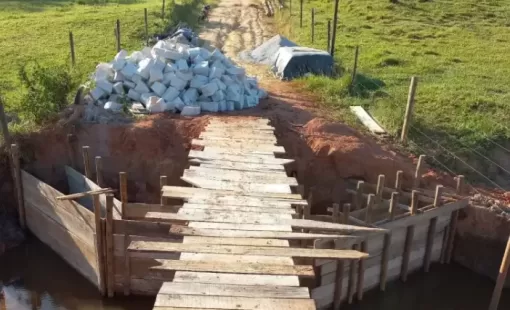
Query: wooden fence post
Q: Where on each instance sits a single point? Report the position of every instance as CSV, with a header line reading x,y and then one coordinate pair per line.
x,y
109,245
146,27
118,35
99,171
86,162
301,13
335,25
329,36
123,192
354,67
313,25
99,244
16,173
503,270
71,44
409,109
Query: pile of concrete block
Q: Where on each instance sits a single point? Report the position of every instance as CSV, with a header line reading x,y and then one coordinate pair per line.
x,y
174,77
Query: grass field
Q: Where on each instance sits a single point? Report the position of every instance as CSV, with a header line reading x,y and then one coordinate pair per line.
x,y
39,30
458,49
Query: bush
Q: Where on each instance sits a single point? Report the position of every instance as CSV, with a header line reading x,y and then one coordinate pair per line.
x,y
47,90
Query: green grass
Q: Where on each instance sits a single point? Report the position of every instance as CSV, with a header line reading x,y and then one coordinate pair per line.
x,y
39,30
458,49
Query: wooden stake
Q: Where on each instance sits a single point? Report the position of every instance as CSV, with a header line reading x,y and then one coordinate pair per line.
x,y
329,36
384,260
118,35
414,202
163,181
99,171
379,189
146,27
336,213
3,124
361,272
16,173
335,25
346,211
407,253
127,266
418,172
86,162
71,44
398,180
123,192
85,194
301,13
99,244
339,280
109,245
313,25
352,277
354,67
393,205
453,222
500,282
370,205
409,110
432,231
358,199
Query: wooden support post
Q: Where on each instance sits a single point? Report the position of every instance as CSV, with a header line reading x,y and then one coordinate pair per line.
x,y
163,181
432,231
313,25
308,208
361,271
71,150
300,13
398,180
352,277
393,205
109,246
335,25
453,221
146,27
418,172
127,266
339,280
346,211
358,199
99,244
3,124
370,204
409,110
117,32
379,189
123,192
414,202
407,252
336,213
86,162
163,10
329,36
500,282
18,183
354,67
99,171
317,269
71,44
384,260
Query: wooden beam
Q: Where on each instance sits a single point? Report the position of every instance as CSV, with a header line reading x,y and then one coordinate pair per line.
x,y
237,241
255,159
150,248
233,208
339,280
431,231
407,252
99,235
384,261
500,282
361,272
352,278
240,146
268,138
237,165
123,192
88,193
221,267
109,245
240,176
203,182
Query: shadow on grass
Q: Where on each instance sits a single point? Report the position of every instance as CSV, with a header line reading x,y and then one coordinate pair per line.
x,y
365,86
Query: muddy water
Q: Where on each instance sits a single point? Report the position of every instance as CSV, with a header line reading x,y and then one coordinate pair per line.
x,y
33,277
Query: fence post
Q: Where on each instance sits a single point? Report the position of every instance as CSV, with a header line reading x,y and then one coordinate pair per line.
x,y
71,44
335,24
313,24
163,10
329,36
118,35
146,28
409,109
355,66
301,13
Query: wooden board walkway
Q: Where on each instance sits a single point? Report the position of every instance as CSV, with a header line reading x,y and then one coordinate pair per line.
x,y
236,224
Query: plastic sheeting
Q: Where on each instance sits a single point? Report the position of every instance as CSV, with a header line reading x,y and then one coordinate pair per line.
x,y
293,62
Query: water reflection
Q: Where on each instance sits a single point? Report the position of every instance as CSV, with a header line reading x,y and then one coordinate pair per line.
x,y
34,277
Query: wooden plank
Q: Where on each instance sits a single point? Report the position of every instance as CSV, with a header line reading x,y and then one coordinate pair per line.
x,y
237,186
239,176
70,214
149,247
221,233
237,259
367,120
218,213
221,267
239,125
226,278
169,288
235,200
242,150
256,159
99,245
233,226
110,271
237,241
150,229
88,193
138,210
239,132
237,165
230,208
238,136
236,121
240,145
79,183
78,254
190,192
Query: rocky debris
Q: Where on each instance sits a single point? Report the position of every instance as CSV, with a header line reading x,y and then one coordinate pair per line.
x,y
495,205
170,77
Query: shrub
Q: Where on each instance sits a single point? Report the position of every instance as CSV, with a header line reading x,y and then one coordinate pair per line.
x,y
47,90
